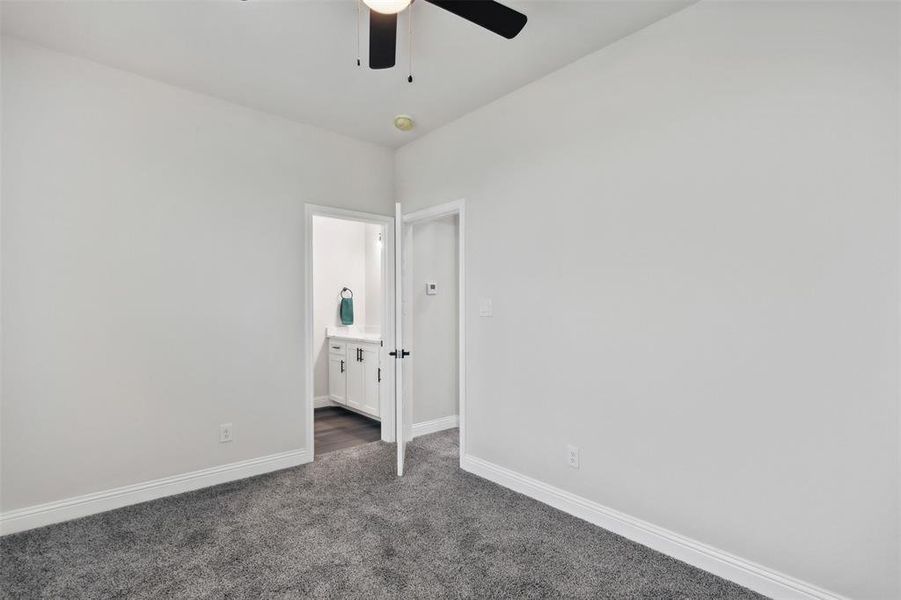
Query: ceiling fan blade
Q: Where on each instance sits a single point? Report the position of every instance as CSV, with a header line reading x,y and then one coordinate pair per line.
x,y
491,15
382,40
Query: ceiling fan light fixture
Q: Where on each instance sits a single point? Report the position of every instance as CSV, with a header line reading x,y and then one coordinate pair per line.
x,y
387,7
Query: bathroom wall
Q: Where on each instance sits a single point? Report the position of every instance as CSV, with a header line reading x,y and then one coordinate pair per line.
x,y
345,254
375,298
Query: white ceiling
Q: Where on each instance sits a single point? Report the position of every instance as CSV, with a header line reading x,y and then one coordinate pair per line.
x,y
297,59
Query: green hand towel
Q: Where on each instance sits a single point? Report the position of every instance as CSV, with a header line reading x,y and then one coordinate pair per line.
x,y
347,311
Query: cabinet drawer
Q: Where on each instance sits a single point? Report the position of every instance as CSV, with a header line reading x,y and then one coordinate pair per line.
x,y
337,347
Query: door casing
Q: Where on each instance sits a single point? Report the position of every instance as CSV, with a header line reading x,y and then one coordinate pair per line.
x,y
386,389
458,208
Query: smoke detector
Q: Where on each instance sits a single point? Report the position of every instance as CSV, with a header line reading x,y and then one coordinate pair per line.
x,y
404,122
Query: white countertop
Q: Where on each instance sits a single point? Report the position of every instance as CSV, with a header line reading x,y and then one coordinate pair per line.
x,y
353,333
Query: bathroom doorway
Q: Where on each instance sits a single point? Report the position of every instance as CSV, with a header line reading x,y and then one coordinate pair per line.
x,y
350,303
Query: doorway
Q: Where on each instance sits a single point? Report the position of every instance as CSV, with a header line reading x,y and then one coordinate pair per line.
x,y
432,319
349,319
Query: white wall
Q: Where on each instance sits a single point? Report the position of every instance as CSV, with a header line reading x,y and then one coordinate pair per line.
x,y
691,240
435,319
153,274
345,254
375,299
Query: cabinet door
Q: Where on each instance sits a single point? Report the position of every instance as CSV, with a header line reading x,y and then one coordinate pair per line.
x,y
355,378
337,378
371,364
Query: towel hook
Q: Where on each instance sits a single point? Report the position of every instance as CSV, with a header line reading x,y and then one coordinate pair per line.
x,y
341,293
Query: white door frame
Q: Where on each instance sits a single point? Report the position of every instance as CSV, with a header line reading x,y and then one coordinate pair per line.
x,y
386,391
457,207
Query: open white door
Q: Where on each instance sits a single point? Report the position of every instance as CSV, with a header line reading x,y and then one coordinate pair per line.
x,y
402,413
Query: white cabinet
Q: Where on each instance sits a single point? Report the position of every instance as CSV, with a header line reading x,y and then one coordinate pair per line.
x,y
354,375
337,371
355,381
337,382
372,377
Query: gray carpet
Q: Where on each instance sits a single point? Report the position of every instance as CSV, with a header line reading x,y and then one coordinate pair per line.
x,y
346,527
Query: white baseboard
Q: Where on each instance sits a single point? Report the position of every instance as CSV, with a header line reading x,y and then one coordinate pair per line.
x,y
89,504
743,572
322,402
434,425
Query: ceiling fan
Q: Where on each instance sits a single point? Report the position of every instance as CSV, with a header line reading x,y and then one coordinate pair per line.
x,y
491,15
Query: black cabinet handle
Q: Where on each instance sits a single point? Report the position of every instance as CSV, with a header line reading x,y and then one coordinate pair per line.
x,y
342,366
380,375
336,347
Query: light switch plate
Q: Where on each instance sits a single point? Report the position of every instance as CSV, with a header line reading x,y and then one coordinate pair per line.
x,y
431,288
485,309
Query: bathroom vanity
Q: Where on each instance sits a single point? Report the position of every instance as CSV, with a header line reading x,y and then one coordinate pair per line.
x,y
355,369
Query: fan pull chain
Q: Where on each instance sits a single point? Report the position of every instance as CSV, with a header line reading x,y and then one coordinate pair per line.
x,y
410,21
358,33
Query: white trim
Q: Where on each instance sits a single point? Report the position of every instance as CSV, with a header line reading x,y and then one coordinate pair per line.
x,y
386,407
434,212
323,402
89,504
713,560
402,413
456,207
440,424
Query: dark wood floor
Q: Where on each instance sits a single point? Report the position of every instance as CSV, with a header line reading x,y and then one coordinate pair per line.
x,y
337,428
